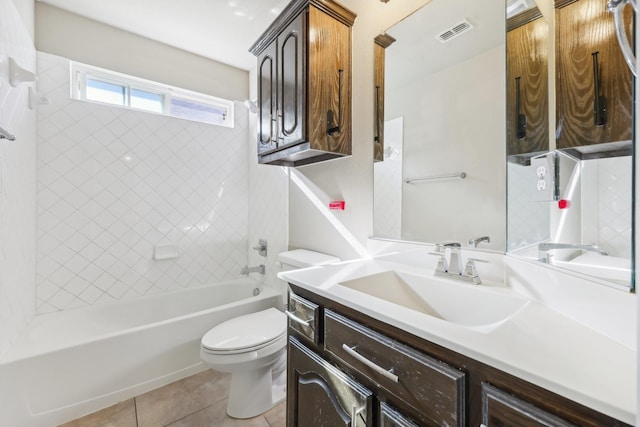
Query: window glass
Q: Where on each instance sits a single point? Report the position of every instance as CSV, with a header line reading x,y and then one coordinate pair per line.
x,y
145,100
89,83
109,93
193,110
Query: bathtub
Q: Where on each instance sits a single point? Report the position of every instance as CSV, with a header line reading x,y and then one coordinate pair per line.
x,y
72,363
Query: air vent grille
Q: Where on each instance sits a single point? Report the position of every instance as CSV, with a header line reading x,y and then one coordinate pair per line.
x,y
454,31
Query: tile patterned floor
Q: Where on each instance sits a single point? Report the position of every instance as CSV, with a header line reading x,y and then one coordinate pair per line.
x,y
196,401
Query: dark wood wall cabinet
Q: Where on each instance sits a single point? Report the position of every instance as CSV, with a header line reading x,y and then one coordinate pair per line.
x,y
348,369
381,42
304,84
593,83
527,84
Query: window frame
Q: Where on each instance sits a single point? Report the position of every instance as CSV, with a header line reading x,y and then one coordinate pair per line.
x,y
78,78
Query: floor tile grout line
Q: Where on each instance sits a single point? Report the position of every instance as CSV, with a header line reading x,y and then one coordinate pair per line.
x,y
135,408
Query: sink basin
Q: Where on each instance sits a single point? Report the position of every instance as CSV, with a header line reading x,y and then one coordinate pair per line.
x,y
463,304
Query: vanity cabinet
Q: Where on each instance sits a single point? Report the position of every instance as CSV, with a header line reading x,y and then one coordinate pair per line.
x,y
593,83
411,381
381,43
320,395
304,84
527,84
502,409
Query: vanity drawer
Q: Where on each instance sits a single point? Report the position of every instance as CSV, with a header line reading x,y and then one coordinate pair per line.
x,y
436,389
304,317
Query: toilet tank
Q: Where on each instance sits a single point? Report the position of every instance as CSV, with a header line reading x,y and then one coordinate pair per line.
x,y
303,258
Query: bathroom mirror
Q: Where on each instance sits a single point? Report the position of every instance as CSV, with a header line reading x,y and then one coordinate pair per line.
x,y
569,203
443,175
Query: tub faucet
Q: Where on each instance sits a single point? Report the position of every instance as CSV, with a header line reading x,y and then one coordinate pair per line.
x,y
247,269
544,248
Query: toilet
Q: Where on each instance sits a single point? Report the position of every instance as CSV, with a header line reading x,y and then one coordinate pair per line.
x,y
252,348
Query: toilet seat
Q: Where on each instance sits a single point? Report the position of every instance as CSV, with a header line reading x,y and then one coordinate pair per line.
x,y
246,333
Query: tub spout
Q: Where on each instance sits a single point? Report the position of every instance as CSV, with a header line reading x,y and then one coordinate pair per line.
x,y
247,269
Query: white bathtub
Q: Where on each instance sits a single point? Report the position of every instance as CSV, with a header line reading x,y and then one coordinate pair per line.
x,y
75,362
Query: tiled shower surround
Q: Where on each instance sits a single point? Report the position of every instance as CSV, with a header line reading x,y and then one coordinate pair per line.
x,y
114,183
17,181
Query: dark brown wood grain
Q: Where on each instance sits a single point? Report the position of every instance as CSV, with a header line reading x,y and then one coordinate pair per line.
x,y
320,395
306,311
329,64
292,93
291,11
423,382
503,409
583,28
476,373
381,42
305,103
527,60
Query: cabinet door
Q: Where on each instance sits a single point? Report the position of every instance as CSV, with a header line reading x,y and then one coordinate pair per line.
x,y
320,395
592,76
292,91
390,417
267,89
329,80
501,409
527,88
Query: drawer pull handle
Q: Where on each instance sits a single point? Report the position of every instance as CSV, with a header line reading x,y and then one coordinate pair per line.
x,y
386,373
296,319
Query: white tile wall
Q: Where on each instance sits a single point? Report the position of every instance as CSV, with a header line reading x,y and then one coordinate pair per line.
x,y
605,194
268,207
387,184
17,182
607,184
113,183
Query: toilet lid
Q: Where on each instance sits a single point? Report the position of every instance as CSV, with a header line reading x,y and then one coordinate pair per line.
x,y
245,333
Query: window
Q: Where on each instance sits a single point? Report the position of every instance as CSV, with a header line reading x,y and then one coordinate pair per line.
x,y
95,84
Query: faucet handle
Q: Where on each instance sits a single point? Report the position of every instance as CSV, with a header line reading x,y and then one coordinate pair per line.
x,y
442,266
470,267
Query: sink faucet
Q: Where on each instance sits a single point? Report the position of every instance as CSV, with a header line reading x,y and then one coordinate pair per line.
x,y
473,243
453,269
247,270
544,248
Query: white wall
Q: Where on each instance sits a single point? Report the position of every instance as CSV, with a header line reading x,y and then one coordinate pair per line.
x,y
84,40
438,142
17,176
344,234
113,183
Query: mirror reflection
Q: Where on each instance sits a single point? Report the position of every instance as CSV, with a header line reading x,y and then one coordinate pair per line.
x,y
452,115
572,207
443,173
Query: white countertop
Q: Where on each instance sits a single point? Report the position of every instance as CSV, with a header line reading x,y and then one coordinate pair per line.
x,y
538,343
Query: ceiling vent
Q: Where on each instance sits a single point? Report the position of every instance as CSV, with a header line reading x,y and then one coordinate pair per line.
x,y
454,31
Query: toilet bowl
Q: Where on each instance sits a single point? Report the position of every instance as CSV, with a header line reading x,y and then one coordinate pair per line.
x,y
252,348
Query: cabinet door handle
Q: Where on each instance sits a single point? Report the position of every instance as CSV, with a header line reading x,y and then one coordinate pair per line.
x,y
333,127
599,102
296,319
521,119
377,137
384,372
